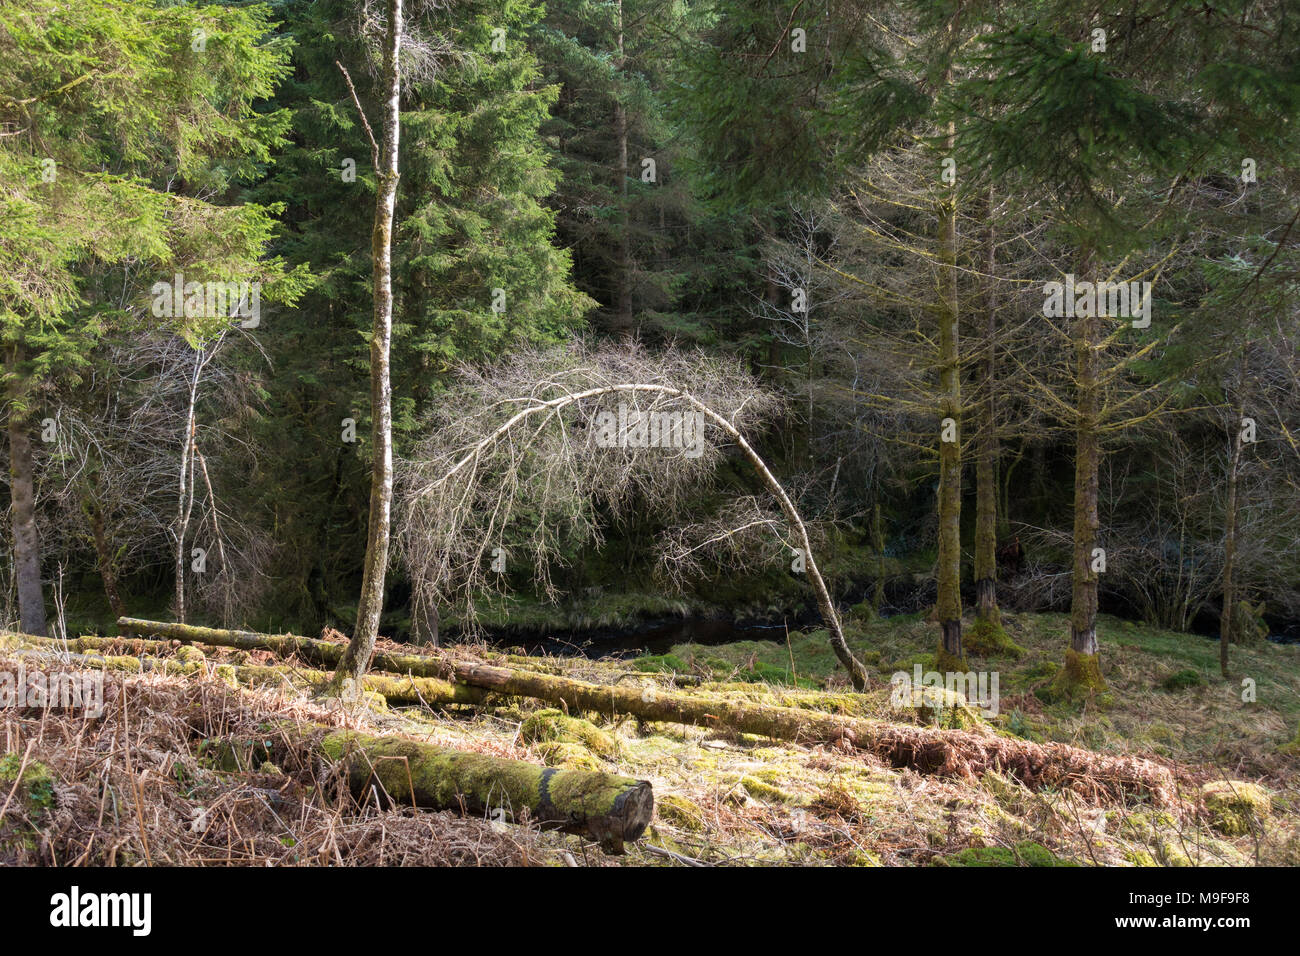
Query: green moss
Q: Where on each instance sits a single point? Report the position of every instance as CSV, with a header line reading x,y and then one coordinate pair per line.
x,y
1169,852
988,638
1035,674
574,756
189,654
443,778
680,812
1144,826
1236,807
945,662
578,795
944,707
1080,677
1022,854
661,663
35,789
554,726
909,663
760,790
1182,680
1161,732
1293,747
863,613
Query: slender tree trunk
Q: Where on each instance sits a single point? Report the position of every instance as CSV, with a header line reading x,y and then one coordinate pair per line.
x,y
986,509
858,676
27,539
104,556
425,620
1083,604
623,292
878,543
1082,671
948,575
185,486
357,657
1230,547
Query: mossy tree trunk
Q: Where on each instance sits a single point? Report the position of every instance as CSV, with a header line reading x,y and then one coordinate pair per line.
x,y
1082,672
987,636
1230,544
623,321
986,498
948,572
104,554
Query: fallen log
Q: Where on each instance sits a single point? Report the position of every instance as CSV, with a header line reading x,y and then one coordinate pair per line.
x,y
282,644
961,753
325,653
612,810
398,690
80,645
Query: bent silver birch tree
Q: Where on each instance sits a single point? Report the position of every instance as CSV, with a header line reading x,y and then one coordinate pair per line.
x,y
475,470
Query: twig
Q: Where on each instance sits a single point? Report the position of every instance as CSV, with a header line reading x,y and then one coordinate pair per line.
x,y
374,146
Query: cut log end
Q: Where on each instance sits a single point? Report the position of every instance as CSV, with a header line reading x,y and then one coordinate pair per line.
x,y
624,820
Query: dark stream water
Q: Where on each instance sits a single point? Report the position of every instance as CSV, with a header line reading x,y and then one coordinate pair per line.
x,y
660,636
653,637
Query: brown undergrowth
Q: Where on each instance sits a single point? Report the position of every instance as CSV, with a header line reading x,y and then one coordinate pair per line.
x,y
140,784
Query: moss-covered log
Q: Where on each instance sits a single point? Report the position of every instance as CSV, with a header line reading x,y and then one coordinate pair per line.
x,y
961,753
394,689
283,644
325,653
85,645
610,809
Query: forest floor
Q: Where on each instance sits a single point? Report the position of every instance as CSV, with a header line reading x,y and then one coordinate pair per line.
x,y
142,783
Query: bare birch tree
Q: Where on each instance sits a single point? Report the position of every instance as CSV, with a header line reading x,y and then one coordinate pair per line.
x,y
384,157
530,455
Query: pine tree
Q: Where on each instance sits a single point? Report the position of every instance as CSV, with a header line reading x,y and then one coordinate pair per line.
x,y
476,267
120,120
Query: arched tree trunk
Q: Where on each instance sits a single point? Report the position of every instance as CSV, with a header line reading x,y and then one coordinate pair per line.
x,y
623,321
857,672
